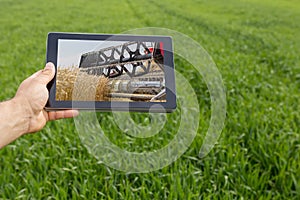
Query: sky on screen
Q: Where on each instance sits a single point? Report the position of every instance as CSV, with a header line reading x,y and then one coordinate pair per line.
x,y
70,51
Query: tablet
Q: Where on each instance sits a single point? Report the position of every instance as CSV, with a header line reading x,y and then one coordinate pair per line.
x,y
111,72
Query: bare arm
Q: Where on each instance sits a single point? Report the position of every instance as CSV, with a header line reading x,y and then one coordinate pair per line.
x,y
25,112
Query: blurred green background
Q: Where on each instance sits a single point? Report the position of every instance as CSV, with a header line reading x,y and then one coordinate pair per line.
x,y
256,46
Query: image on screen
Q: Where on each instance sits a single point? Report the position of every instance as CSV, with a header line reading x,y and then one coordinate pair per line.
x,y
89,70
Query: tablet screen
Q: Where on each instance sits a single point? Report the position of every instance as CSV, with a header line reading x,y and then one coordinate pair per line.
x,y
93,70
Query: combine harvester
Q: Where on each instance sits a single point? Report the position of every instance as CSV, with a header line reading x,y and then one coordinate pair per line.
x,y
135,70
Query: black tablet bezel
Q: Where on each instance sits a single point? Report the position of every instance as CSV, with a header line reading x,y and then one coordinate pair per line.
x,y
168,106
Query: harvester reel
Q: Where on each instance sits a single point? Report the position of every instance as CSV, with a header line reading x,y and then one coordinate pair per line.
x,y
113,61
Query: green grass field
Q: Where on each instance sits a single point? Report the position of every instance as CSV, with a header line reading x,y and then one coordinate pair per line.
x,y
256,46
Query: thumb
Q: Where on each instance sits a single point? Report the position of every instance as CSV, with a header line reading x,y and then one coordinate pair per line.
x,y
47,73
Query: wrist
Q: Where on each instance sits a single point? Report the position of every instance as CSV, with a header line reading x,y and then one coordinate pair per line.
x,y
22,114
14,121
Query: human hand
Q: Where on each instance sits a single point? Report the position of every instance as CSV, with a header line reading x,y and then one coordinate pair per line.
x,y
33,95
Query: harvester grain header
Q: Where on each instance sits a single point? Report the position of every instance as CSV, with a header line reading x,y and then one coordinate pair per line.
x,y
133,58
135,69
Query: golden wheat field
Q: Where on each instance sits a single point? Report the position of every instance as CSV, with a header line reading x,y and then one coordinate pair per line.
x,y
71,84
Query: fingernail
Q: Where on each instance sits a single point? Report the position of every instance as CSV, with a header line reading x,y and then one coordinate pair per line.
x,y
48,66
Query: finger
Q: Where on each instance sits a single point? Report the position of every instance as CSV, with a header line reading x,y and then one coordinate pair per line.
x,y
47,74
33,76
36,74
54,115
